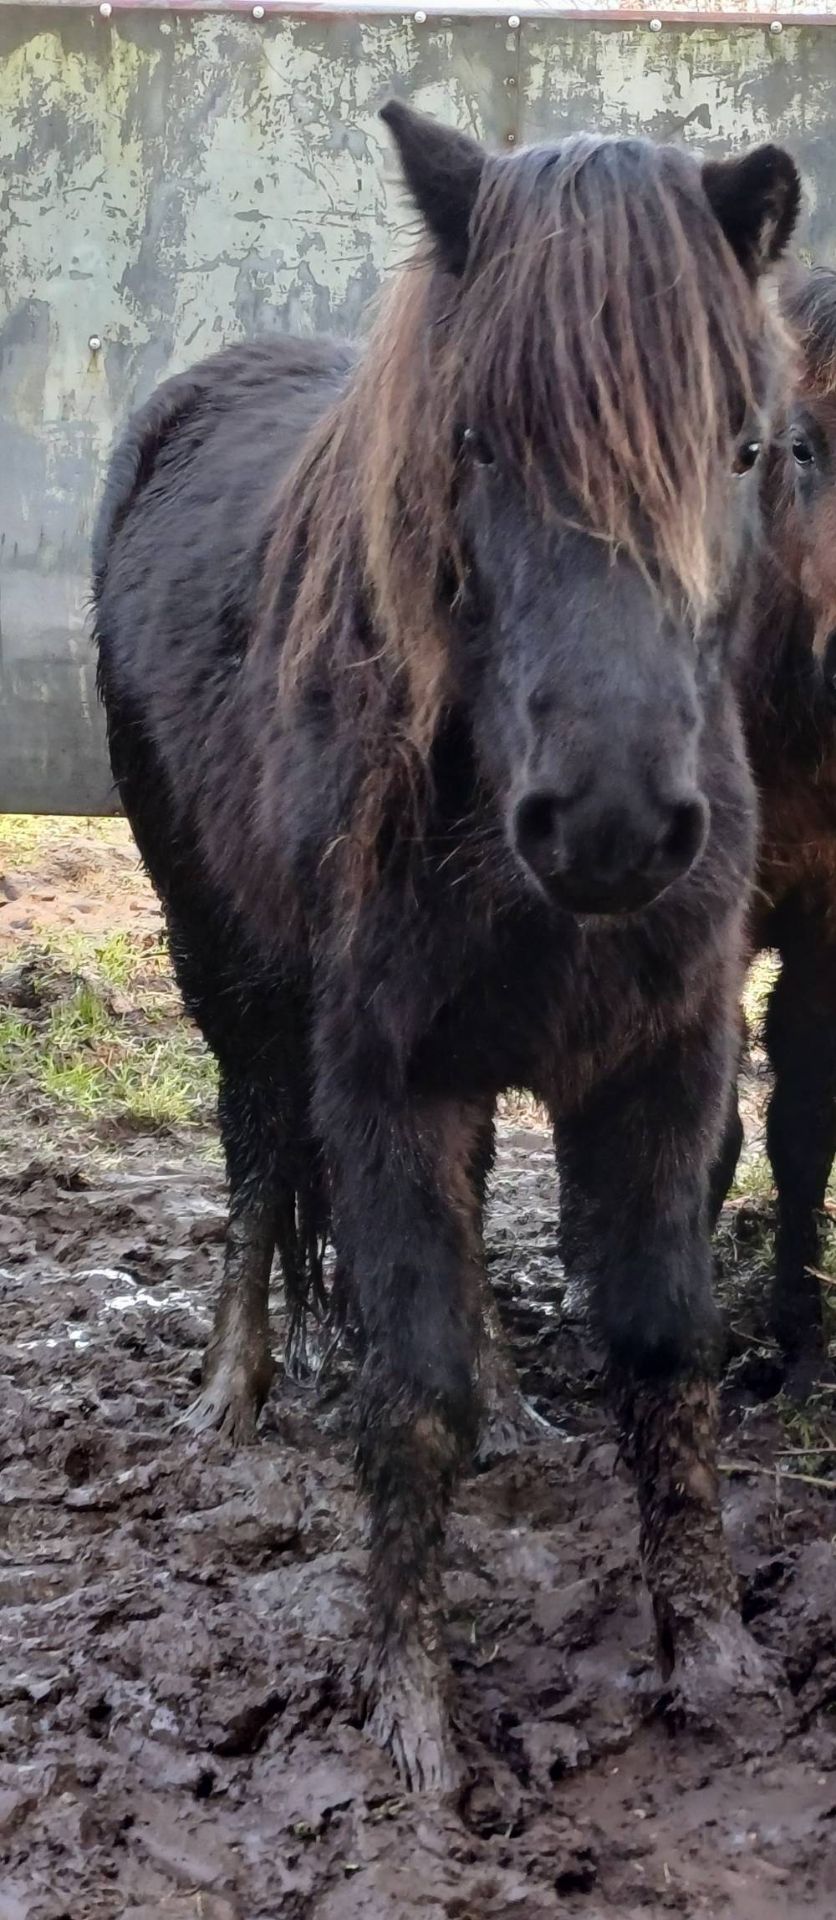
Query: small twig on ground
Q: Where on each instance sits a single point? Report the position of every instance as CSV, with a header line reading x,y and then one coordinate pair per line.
x,y
785,1452
777,1473
759,1340
817,1274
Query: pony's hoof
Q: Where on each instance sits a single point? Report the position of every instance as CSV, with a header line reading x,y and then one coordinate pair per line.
x,y
406,1716
228,1405
722,1682
805,1372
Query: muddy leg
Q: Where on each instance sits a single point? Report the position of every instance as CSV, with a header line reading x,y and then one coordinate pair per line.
x,y
406,1222
725,1165
508,1418
634,1172
259,1033
302,1225
238,1366
702,1646
801,1138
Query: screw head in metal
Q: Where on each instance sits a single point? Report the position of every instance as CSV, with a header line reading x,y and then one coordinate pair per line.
x,y
420,18
776,26
105,9
510,138
513,21
258,13
655,25
95,343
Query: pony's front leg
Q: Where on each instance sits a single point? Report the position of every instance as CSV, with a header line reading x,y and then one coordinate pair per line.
x,y
801,1138
634,1218
406,1222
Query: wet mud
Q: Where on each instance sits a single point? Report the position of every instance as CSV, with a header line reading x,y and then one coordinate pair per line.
x,y
180,1623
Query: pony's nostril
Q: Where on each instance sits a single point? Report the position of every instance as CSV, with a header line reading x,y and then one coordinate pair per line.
x,y
681,839
535,819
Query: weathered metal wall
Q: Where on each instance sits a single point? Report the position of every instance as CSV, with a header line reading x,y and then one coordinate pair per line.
x,y
170,181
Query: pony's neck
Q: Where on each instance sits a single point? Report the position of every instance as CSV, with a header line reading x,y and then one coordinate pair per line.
x,y
783,695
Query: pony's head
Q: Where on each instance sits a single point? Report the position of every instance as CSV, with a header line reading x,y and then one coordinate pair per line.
x,y
547,465
803,488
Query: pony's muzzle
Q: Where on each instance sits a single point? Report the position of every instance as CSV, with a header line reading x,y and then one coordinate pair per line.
x,y
591,857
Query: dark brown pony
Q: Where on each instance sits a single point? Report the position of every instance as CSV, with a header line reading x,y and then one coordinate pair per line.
x,y
790,706
418,675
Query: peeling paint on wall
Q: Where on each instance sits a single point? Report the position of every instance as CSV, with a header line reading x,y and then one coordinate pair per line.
x,y
182,180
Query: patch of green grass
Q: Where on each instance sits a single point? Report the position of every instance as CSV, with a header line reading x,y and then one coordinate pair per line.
x,y
810,1432
759,984
91,1054
117,960
16,1037
140,1081
827,1268
25,836
754,1181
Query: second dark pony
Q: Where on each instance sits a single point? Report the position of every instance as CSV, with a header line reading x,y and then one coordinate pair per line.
x,y
789,694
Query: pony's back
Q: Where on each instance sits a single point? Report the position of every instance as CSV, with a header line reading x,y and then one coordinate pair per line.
x,y
204,456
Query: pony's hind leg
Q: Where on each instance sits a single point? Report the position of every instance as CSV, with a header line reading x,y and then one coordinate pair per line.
x,y
634,1217
508,1419
238,1365
259,1039
302,1225
726,1162
801,1136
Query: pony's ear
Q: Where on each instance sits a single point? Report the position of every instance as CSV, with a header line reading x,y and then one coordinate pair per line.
x,y
442,170
756,200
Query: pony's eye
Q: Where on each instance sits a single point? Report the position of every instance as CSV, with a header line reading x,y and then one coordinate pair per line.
x,y
477,448
802,451
746,456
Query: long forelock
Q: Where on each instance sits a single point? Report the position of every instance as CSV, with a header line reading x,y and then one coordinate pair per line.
x,y
605,322
602,321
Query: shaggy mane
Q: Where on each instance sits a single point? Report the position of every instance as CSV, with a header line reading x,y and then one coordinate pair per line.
x,y
808,301
606,340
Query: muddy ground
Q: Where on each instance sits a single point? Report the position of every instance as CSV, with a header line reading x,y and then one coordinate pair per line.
x,y
178,1621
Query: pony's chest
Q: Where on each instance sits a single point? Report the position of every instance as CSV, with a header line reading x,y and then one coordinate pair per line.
x,y
550,1017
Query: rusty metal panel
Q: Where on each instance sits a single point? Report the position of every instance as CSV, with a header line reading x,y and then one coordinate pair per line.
x,y
797,11
175,180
